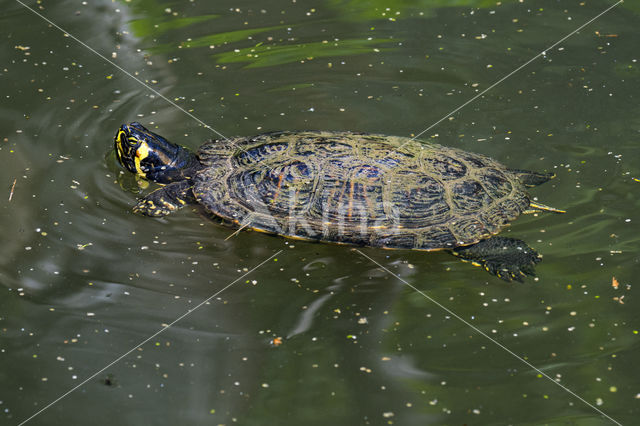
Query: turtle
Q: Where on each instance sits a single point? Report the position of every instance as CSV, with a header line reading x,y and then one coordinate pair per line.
x,y
345,187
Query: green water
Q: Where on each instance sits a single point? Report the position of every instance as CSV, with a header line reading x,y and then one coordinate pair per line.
x,y
83,280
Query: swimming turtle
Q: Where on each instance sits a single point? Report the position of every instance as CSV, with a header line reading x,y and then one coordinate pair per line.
x,y
345,187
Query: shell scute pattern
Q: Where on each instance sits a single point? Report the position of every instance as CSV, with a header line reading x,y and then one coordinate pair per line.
x,y
495,183
446,167
259,152
358,188
469,196
421,202
323,146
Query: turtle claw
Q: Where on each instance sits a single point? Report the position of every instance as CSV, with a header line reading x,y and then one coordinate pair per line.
x,y
506,258
508,274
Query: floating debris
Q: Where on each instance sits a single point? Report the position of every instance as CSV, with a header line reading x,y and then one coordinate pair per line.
x,y
276,341
614,283
12,188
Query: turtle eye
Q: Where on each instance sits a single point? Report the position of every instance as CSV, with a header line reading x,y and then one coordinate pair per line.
x,y
132,141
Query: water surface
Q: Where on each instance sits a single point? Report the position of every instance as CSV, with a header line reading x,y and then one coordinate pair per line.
x,y
84,280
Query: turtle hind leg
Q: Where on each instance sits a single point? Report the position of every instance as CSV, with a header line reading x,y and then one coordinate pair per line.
x,y
531,179
166,200
507,258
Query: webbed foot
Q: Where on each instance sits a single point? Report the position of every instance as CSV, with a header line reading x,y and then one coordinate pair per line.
x,y
154,207
165,200
507,258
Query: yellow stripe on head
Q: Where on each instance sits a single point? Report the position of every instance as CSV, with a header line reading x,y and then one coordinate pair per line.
x,y
141,153
119,138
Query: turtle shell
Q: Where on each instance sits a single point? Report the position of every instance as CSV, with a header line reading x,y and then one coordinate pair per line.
x,y
358,188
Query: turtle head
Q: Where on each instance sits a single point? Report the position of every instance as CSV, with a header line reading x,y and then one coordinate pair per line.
x,y
150,155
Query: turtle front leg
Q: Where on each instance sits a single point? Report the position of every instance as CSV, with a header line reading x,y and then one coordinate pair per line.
x,y
507,258
166,200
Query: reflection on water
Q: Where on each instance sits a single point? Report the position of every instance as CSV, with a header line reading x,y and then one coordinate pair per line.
x,y
84,280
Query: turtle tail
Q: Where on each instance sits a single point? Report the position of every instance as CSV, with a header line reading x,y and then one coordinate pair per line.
x,y
531,179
